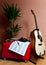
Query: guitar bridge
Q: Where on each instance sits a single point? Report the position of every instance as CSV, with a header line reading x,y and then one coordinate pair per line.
x,y
39,44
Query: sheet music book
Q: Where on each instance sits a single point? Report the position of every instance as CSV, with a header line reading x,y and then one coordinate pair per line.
x,y
19,47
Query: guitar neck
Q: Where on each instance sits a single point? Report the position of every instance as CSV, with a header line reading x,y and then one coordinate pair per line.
x,y
35,19
36,22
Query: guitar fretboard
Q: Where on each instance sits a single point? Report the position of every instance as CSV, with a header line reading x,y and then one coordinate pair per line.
x,y
34,18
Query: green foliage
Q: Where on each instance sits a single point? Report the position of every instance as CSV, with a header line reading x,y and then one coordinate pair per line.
x,y
11,11
14,29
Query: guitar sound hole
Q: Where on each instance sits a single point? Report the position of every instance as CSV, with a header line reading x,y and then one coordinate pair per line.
x,y
39,37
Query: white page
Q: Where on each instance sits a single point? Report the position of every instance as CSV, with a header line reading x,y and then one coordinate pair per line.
x,y
19,47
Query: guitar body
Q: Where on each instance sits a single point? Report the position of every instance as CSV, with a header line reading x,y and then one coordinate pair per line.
x,y
38,48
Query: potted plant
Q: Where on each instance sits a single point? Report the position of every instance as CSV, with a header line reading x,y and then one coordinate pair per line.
x,y
12,13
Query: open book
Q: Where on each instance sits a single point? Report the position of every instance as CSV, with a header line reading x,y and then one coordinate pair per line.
x,y
19,47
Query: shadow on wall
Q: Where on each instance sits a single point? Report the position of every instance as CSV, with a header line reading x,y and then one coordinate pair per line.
x,y
3,26
3,22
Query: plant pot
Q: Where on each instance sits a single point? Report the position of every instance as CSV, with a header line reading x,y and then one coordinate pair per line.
x,y
11,39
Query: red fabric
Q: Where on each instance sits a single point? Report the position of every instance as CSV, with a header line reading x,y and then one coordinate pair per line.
x,y
9,54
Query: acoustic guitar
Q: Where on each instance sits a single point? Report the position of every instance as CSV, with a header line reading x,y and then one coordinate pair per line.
x,y
38,47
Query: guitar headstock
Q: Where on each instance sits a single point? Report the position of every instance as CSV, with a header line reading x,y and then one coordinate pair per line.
x,y
32,12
